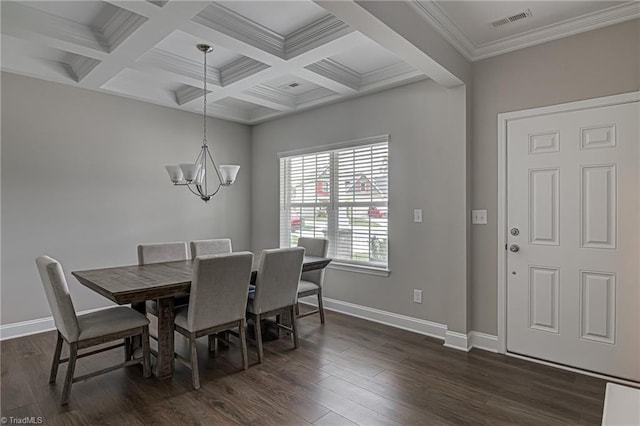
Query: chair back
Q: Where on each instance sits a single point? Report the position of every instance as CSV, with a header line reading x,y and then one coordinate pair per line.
x,y
277,279
59,298
219,289
314,247
162,252
207,247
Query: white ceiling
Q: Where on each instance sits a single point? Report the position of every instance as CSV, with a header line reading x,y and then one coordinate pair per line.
x,y
270,58
467,24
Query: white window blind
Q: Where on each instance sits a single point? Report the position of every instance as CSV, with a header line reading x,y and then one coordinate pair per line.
x,y
340,194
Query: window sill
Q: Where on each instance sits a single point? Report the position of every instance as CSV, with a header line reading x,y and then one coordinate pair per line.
x,y
350,267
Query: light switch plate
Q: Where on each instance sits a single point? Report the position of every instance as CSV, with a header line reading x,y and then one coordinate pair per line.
x,y
417,215
479,217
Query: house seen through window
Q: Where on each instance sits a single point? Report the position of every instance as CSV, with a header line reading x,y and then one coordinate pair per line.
x,y
339,194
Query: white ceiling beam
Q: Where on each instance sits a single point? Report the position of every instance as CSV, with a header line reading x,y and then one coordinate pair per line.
x,y
268,97
214,36
142,8
241,28
337,72
186,70
377,28
315,35
324,81
148,35
31,24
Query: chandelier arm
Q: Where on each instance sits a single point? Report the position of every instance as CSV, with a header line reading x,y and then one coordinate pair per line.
x,y
215,167
203,194
199,194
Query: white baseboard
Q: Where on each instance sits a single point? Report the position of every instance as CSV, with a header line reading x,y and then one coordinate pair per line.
x,y
486,342
403,322
452,339
25,328
455,340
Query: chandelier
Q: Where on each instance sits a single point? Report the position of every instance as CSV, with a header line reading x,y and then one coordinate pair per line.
x,y
195,176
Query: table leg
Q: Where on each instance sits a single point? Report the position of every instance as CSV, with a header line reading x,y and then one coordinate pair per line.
x,y
136,344
164,365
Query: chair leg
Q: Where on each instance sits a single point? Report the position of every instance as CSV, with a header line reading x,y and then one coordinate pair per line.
x,y
146,353
320,306
213,343
243,343
258,329
297,309
56,360
127,349
195,375
66,391
294,329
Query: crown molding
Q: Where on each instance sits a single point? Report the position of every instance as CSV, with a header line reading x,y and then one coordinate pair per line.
x,y
569,27
337,72
240,69
269,97
120,26
315,96
440,21
179,65
313,35
20,20
237,26
81,66
397,71
186,94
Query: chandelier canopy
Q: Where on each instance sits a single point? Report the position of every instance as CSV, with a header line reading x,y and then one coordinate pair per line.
x,y
195,176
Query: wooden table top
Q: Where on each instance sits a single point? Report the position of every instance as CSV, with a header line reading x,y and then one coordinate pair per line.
x,y
137,283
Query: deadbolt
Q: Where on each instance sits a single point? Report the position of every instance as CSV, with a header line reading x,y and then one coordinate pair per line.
x,y
514,248
515,231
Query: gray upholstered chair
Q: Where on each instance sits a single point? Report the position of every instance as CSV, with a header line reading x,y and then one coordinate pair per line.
x,y
311,281
276,291
217,302
88,330
162,252
207,247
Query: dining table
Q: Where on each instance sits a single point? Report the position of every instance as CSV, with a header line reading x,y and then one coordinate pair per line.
x,y
136,284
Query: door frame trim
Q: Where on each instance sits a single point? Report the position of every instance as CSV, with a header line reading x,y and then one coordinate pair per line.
x,y
503,120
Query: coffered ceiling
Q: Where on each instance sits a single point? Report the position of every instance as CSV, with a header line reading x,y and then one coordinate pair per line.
x,y
270,58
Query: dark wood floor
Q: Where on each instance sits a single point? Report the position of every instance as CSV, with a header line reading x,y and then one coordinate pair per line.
x,y
348,372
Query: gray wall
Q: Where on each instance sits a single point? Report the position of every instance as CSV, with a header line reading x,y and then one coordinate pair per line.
x,y
83,180
593,64
427,170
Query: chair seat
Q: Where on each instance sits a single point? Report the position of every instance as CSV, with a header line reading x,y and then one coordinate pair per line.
x,y
152,305
109,321
304,286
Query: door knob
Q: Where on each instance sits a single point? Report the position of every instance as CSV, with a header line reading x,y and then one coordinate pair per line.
x,y
514,248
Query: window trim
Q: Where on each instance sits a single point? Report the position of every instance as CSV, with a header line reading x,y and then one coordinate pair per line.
x,y
337,264
335,146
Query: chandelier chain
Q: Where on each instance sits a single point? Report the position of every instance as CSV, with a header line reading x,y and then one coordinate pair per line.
x,y
205,99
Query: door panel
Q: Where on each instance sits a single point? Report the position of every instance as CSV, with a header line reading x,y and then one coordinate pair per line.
x,y
573,191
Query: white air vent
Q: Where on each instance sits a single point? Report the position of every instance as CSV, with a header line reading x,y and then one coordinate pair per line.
x,y
291,85
513,18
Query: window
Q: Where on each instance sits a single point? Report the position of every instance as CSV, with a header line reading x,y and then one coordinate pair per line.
x,y
340,194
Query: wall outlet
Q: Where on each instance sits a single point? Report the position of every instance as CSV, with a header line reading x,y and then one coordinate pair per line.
x,y
479,217
417,215
417,296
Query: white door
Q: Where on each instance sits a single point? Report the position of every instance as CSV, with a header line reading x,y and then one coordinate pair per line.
x,y
573,190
